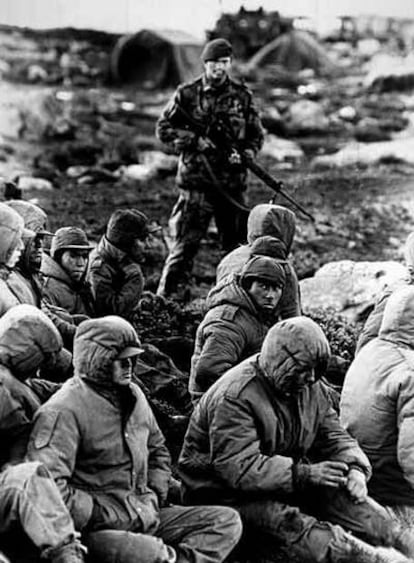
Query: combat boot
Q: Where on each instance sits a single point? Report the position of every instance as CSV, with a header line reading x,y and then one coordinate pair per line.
x,y
71,552
350,549
404,542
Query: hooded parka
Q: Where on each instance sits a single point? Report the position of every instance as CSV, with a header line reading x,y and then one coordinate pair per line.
x,y
377,402
245,434
11,230
61,291
232,330
117,281
268,220
103,447
27,339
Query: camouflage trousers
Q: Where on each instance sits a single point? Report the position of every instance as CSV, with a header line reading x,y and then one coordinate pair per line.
x,y
188,224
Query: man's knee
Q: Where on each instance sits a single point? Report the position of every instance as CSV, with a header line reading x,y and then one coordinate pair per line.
x,y
111,546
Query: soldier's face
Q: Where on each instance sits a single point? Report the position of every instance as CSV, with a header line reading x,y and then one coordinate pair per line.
x,y
74,262
15,254
264,294
217,71
35,253
122,371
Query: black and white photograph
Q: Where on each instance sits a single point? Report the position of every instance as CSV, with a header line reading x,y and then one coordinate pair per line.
x,y
206,281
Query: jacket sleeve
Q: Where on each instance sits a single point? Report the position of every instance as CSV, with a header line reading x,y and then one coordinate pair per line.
x,y
223,346
116,300
15,427
236,454
405,423
333,442
290,303
159,461
62,321
54,442
373,322
171,124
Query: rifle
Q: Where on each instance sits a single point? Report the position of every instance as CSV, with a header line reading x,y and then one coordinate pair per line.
x,y
221,131
224,131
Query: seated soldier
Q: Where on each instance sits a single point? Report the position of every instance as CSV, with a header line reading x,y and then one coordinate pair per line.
x,y
115,272
24,280
265,440
373,322
28,266
377,405
240,312
64,272
268,220
11,247
33,517
98,437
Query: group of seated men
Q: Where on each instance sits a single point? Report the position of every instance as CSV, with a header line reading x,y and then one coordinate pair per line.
x,y
266,463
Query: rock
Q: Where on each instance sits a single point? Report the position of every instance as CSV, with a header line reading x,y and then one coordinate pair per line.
x,y
272,121
368,47
282,150
307,115
36,73
25,183
388,72
398,150
369,130
138,172
159,162
348,113
348,287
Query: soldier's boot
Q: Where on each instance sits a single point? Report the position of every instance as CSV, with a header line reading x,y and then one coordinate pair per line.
x,y
404,542
353,550
70,552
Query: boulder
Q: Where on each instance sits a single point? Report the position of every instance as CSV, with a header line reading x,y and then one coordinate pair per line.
x,y
159,162
400,150
307,115
25,183
282,150
349,287
138,172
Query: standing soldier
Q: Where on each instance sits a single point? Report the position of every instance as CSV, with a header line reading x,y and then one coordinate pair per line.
x,y
211,179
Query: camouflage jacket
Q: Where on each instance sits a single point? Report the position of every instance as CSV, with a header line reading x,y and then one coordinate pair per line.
x,y
203,106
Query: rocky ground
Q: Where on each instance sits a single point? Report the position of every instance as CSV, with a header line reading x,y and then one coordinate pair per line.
x,y
80,148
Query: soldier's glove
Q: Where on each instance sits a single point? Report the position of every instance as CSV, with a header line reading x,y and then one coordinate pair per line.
x,y
185,139
204,144
249,154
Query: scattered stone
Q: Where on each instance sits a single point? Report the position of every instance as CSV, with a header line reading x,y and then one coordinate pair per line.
x,y
160,162
282,150
348,286
307,115
138,172
400,150
25,183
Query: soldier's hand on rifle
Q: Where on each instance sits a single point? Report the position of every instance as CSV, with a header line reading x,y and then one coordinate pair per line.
x,y
185,139
204,144
249,154
234,158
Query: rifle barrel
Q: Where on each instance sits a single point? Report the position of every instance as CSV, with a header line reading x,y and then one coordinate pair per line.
x,y
275,185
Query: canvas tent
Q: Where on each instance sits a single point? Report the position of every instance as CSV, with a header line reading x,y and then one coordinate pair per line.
x,y
156,59
293,51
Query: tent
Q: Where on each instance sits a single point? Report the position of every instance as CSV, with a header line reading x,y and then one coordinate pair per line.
x,y
156,59
293,51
